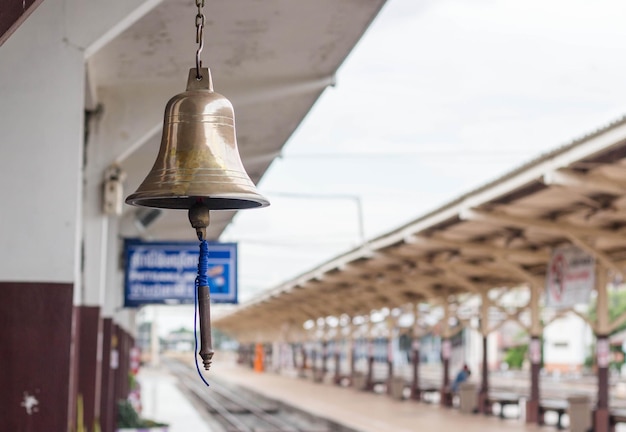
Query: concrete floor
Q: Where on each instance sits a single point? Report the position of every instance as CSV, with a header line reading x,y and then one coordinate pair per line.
x,y
163,401
363,411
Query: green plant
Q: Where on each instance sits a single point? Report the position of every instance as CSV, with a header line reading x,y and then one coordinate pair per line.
x,y
515,356
127,417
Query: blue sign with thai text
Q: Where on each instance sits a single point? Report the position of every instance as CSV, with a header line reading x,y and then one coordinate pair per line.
x,y
165,272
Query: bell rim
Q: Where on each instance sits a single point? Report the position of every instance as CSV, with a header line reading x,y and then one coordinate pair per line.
x,y
232,202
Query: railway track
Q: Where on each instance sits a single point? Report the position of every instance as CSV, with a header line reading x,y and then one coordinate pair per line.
x,y
236,410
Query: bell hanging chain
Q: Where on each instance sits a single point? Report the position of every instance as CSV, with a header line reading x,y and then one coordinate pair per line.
x,y
199,36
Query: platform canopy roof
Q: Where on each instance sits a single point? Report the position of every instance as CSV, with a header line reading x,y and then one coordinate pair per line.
x,y
272,59
499,235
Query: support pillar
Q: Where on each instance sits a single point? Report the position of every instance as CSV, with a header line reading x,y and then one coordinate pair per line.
x,y
304,360
40,271
352,351
36,331
390,360
446,348
337,356
324,357
314,359
415,361
273,350
370,365
601,415
294,359
352,359
533,414
483,393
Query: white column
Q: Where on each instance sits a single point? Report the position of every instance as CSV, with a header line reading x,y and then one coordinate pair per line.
x,y
41,119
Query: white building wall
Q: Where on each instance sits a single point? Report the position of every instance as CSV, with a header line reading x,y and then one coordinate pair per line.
x,y
566,343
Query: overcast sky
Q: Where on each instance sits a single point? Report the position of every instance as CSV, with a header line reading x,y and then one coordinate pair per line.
x,y
438,98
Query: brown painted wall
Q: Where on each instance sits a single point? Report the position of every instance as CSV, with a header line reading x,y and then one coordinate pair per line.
x,y
12,14
35,341
124,343
89,365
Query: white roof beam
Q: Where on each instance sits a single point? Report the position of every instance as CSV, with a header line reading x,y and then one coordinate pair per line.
x,y
593,182
481,248
520,272
571,232
457,278
559,228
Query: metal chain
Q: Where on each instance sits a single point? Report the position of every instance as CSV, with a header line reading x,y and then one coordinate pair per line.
x,y
199,36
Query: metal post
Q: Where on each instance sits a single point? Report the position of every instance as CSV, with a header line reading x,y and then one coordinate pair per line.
x,y
446,397
390,356
370,365
304,359
324,357
446,348
352,359
483,394
337,367
603,328
314,359
351,350
532,405
415,360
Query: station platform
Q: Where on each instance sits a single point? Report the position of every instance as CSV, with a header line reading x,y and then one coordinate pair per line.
x,y
163,401
363,411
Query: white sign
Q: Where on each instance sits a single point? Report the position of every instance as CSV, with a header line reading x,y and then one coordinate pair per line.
x,y
570,278
603,352
535,351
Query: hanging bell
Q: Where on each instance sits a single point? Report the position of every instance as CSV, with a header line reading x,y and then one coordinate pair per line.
x,y
198,162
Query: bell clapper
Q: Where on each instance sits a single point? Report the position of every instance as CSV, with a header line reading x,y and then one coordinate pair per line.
x,y
204,310
199,218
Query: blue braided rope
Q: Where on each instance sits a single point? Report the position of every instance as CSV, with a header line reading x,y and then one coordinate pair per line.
x,y
201,280
203,264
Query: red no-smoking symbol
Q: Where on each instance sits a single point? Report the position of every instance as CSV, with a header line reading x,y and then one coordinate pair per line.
x,y
557,271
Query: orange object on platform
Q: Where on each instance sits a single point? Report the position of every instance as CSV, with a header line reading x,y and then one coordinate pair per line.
x,y
259,358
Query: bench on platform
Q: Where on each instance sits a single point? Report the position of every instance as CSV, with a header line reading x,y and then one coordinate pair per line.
x,y
617,416
502,399
343,380
553,405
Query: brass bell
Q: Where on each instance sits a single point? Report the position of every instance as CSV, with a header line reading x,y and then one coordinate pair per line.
x,y
198,162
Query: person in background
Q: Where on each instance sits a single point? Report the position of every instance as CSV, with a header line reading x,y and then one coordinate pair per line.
x,y
462,376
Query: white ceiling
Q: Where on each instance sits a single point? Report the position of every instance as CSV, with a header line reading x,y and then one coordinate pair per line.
x,y
272,59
